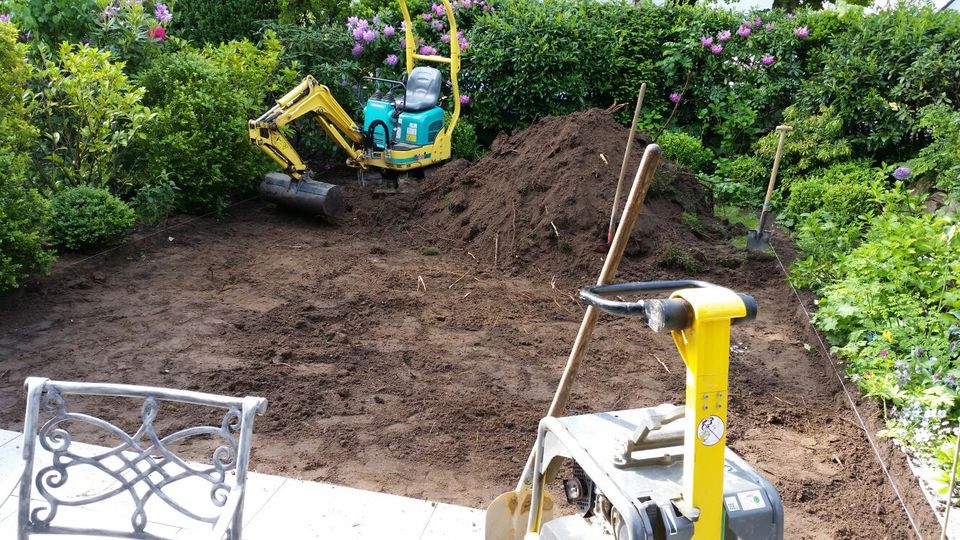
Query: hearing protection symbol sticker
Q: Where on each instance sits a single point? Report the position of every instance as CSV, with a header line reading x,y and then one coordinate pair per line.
x,y
710,430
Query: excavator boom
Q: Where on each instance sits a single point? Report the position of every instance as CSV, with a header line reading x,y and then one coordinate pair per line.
x,y
309,97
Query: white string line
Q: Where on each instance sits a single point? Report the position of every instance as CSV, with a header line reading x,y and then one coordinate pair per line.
x,y
154,233
846,392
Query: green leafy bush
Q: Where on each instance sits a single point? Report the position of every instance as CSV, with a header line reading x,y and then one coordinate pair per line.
x,y
685,150
816,142
847,191
199,141
133,32
88,110
910,60
219,21
746,168
939,162
535,59
55,21
87,217
156,201
894,312
23,212
464,142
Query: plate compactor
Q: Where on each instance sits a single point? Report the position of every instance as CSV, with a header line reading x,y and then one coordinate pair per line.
x,y
658,473
403,130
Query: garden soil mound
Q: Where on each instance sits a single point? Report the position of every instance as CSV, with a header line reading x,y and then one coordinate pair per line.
x,y
542,197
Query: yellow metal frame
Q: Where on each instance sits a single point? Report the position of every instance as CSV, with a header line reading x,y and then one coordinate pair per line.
x,y
311,97
705,348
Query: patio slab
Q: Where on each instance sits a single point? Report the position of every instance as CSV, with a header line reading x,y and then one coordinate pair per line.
x,y
275,507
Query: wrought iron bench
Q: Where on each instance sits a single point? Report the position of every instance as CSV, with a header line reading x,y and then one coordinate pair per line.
x,y
142,471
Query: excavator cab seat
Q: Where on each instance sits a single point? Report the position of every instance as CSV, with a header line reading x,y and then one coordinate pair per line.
x,y
423,89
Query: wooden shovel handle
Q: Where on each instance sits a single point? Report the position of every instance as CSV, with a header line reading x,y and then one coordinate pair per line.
x,y
641,184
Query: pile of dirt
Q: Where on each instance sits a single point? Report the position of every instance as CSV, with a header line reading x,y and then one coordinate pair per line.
x,y
542,197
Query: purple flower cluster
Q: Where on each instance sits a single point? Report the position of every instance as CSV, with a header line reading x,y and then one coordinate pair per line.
x,y
162,13
366,32
716,43
902,173
464,99
4,17
674,98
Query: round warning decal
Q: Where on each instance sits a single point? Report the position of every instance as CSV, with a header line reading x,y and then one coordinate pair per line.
x,y
710,430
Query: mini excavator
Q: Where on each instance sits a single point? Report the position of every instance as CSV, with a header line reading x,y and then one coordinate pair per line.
x,y
403,129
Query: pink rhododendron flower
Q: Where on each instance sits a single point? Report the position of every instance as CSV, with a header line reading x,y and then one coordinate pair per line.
x,y
768,27
158,33
427,17
716,49
768,59
369,35
464,43
358,34
706,41
357,50
403,43
801,32
757,22
352,22
466,3
391,60
427,50
5,17
162,13
438,9
389,31
674,98
445,38
438,25
743,31
723,35
464,99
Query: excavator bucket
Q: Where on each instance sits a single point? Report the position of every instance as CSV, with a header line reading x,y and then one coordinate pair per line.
x,y
304,194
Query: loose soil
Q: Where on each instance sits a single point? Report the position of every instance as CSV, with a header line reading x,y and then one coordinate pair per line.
x,y
391,369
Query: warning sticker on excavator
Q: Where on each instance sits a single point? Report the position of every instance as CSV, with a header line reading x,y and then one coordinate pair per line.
x,y
751,500
412,132
710,430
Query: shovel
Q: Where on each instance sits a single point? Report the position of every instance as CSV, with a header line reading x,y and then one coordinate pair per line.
x,y
759,239
507,515
623,169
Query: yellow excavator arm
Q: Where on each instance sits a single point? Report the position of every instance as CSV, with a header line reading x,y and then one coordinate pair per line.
x,y
309,97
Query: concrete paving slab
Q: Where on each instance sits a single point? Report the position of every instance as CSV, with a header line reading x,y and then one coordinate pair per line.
x,y
275,507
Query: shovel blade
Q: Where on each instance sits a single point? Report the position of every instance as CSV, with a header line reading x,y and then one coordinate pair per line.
x,y
758,240
507,515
